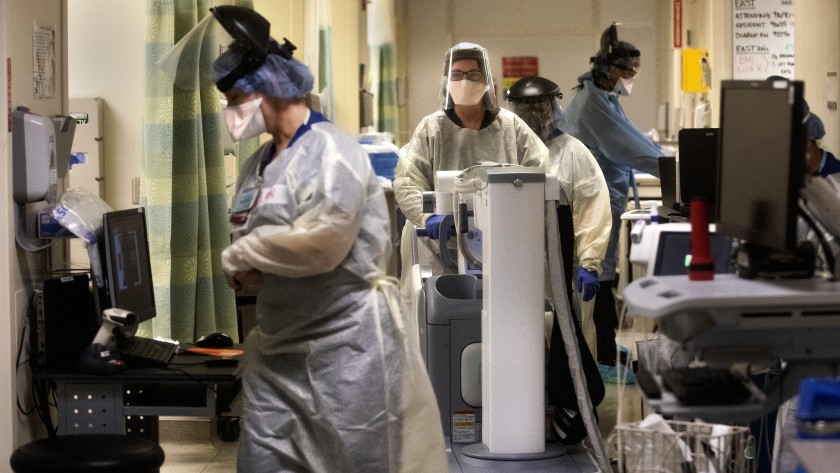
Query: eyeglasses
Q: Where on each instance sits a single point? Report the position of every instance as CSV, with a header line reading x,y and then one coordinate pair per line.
x,y
473,75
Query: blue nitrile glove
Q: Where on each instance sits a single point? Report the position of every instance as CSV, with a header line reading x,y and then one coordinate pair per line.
x,y
433,226
587,283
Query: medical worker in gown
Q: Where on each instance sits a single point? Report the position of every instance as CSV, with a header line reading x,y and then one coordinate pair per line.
x,y
469,129
597,119
330,381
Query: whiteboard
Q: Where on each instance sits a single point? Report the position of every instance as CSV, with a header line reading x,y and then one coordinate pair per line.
x,y
762,39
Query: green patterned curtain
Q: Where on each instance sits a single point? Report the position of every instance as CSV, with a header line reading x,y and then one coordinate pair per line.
x,y
183,187
382,58
383,79
325,79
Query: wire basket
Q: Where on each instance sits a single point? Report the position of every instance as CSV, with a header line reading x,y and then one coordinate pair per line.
x,y
692,447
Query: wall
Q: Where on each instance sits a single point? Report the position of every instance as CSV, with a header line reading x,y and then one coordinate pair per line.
x,y
102,33
105,32
816,43
24,269
562,34
816,47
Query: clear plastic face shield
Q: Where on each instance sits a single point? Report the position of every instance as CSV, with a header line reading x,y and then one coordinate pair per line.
x,y
238,32
467,80
188,63
544,115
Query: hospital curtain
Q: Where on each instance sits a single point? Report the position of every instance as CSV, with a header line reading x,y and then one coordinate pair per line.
x,y
382,59
324,12
183,185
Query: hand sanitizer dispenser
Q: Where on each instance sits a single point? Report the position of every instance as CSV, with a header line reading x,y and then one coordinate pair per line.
x,y
40,154
33,149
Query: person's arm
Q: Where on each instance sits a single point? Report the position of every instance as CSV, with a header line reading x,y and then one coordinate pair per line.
x,y
414,175
591,214
618,139
583,182
319,238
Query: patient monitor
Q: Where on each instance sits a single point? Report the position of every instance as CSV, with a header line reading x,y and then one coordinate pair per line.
x,y
665,249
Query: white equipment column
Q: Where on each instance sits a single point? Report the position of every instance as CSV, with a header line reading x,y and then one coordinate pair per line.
x,y
509,212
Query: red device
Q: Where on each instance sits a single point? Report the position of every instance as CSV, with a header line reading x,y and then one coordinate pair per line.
x,y
701,268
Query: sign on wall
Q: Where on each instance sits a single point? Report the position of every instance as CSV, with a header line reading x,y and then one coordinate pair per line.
x,y
762,38
517,67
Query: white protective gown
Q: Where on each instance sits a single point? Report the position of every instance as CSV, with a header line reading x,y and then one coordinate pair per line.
x,y
330,381
438,144
583,183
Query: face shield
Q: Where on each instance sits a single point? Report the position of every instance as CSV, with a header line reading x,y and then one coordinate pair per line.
x,y
467,80
236,35
536,101
544,115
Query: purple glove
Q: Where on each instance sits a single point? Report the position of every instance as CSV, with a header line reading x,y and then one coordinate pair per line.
x,y
433,226
587,283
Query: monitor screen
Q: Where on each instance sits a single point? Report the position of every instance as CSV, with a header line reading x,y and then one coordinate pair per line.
x,y
673,253
698,164
128,269
762,158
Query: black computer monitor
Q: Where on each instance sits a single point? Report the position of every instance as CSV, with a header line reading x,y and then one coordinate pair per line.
x,y
128,269
762,158
698,165
668,181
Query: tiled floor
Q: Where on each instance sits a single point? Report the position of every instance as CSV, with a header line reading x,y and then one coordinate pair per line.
x,y
191,444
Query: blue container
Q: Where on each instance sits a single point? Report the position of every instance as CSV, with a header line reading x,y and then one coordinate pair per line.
x,y
818,412
384,163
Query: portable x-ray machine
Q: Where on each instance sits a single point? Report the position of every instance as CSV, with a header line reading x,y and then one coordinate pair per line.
x,y
497,328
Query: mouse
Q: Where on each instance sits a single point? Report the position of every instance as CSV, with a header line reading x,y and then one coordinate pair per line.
x,y
215,340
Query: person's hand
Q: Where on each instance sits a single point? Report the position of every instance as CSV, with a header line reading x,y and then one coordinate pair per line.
x,y
241,279
587,283
433,226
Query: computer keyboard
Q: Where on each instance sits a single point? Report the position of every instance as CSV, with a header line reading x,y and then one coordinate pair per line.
x,y
141,351
703,386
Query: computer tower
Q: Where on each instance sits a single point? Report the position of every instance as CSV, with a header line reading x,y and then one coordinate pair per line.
x,y
64,321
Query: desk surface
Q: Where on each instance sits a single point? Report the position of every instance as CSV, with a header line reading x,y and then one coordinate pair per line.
x,y
184,367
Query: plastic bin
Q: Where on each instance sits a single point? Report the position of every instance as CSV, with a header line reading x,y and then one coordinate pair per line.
x,y
383,158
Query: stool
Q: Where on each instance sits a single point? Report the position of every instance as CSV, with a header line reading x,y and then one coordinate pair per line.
x,y
88,453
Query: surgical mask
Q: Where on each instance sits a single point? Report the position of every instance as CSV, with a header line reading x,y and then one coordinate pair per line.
x,y
623,86
245,120
467,92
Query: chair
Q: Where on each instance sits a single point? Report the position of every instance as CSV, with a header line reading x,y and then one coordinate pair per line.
x,y
88,453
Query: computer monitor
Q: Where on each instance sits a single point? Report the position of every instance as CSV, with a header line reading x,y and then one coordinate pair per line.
x,y
698,164
762,158
128,269
668,181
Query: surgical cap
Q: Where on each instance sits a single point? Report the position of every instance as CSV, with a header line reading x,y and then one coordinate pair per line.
x,y
814,127
288,79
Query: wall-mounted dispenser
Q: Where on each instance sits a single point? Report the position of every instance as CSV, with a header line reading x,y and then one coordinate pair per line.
x,y
40,156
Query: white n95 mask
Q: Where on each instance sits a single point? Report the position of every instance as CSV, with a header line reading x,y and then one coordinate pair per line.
x,y
623,86
245,120
467,92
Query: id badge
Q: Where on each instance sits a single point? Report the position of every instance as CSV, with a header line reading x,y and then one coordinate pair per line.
x,y
245,201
